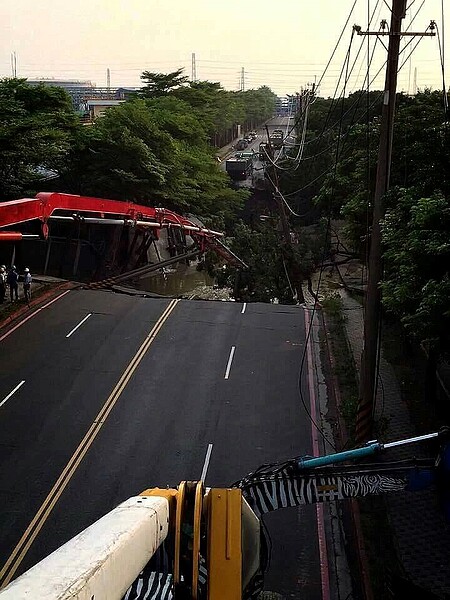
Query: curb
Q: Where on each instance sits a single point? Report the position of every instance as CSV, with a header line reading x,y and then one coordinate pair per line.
x,y
355,517
11,320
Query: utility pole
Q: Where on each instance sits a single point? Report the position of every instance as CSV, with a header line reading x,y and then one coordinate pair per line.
x,y
369,357
273,180
292,268
242,79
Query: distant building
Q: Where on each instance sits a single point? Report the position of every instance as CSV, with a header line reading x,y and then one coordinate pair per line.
x,y
82,92
64,83
95,108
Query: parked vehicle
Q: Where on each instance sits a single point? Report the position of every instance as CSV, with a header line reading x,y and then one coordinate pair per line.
x,y
245,154
239,168
241,144
263,151
276,139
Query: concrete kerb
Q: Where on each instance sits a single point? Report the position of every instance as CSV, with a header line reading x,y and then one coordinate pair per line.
x,y
355,517
338,561
226,151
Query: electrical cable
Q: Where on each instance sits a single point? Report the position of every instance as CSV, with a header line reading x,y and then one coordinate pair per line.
x,y
441,56
332,54
277,191
323,132
337,43
367,52
327,171
412,51
335,92
322,266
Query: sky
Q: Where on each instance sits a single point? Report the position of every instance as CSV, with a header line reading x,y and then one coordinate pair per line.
x,y
284,44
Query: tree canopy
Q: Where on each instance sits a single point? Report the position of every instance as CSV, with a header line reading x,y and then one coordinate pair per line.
x,y
338,172
36,128
416,286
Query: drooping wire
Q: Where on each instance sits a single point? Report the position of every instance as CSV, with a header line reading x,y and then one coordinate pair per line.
x,y
322,266
368,157
441,56
337,44
332,55
325,130
330,169
412,51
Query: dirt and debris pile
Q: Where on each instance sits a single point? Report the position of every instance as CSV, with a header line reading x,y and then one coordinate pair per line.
x,y
207,292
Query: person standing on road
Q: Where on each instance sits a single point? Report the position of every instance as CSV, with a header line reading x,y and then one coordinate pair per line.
x,y
13,281
27,279
2,283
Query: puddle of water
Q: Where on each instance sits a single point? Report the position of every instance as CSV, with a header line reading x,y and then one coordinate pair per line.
x,y
175,282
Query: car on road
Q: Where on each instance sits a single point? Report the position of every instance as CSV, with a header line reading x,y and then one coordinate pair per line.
x,y
263,155
242,155
241,144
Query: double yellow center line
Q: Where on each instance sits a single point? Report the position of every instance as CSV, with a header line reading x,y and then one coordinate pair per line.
x,y
17,555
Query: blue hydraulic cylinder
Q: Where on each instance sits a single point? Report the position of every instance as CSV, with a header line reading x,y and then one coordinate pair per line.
x,y
370,449
332,459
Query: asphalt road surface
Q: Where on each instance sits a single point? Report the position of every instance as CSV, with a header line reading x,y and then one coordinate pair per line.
x,y
284,123
173,378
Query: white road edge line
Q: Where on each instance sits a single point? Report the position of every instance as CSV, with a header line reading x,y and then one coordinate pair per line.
x,y
32,315
243,308
79,325
206,463
230,360
12,392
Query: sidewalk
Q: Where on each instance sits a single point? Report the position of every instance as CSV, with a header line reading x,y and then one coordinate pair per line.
x,y
43,289
420,532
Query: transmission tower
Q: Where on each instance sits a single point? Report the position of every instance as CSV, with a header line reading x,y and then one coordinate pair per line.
x,y
194,69
14,64
242,80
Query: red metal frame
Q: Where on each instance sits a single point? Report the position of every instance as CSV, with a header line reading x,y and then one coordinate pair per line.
x,y
46,203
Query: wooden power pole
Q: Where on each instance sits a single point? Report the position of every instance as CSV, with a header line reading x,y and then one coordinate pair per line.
x,y
368,373
372,315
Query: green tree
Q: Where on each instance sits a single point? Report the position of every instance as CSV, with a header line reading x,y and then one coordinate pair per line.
x,y
37,124
124,155
217,108
416,235
269,261
154,152
416,284
160,84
